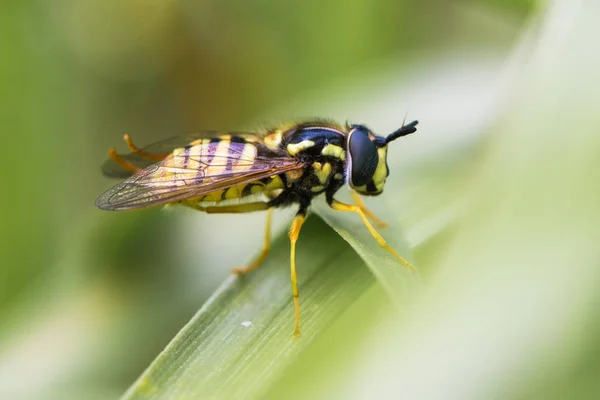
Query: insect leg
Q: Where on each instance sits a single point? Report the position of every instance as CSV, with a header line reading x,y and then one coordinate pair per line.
x,y
141,153
123,163
294,233
338,206
265,249
361,204
233,209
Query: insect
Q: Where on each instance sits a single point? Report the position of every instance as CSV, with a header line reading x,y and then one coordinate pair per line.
x,y
245,172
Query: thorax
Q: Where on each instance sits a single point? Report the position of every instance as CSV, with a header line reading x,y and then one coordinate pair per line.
x,y
323,150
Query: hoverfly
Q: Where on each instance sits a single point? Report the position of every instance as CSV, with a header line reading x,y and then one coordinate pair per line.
x,y
245,172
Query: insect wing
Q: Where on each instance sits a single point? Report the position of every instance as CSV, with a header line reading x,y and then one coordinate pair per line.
x,y
194,171
162,148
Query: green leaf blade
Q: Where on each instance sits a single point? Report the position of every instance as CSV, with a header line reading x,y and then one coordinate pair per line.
x,y
398,281
240,342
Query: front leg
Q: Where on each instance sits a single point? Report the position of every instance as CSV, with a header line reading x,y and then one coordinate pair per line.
x,y
361,204
245,208
339,206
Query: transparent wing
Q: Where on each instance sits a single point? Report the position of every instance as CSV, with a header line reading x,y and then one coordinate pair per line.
x,y
194,171
160,149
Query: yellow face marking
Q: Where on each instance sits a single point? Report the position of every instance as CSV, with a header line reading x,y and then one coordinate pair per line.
x,y
381,170
338,176
295,148
273,140
316,189
322,171
334,151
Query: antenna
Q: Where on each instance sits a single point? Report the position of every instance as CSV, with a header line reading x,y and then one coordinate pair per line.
x,y
403,131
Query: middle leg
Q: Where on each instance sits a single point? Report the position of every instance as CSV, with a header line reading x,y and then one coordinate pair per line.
x,y
361,204
294,234
244,208
265,250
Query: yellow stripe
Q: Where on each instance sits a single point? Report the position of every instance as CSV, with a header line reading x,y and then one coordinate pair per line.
x,y
213,196
218,164
322,171
274,139
177,158
293,175
334,151
234,192
381,170
244,163
256,189
295,148
275,183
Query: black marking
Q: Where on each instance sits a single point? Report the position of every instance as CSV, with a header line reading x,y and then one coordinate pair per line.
x,y
284,179
210,149
237,139
234,151
403,131
215,140
321,136
247,191
186,155
371,186
224,194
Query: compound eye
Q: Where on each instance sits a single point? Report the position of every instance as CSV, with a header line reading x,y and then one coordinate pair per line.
x,y
363,153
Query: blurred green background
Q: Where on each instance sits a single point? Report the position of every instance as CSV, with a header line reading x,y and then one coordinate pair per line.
x,y
89,298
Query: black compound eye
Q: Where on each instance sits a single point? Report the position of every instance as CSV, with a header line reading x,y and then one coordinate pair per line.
x,y
364,157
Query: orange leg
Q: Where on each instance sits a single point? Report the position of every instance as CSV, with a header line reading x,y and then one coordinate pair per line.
x,y
361,204
127,165
142,153
123,163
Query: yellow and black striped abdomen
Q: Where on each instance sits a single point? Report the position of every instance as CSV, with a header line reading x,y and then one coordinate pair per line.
x,y
244,192
228,155
216,156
